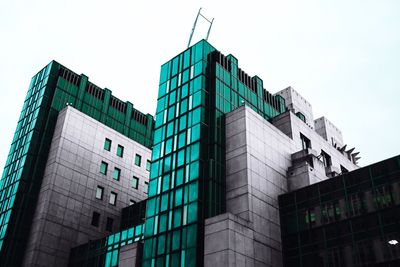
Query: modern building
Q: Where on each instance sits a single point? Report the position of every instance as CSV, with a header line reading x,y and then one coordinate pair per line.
x,y
349,220
223,150
78,156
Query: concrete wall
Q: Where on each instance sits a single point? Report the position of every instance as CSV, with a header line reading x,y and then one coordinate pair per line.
x,y
328,131
67,196
295,102
231,241
128,255
259,156
292,126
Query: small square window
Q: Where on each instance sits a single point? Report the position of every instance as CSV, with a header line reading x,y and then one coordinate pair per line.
x,y
107,144
116,174
103,167
132,202
113,198
146,187
120,151
135,182
138,160
99,192
95,219
109,224
148,165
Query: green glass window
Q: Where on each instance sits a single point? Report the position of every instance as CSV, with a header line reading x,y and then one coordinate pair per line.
x,y
135,182
148,165
177,217
107,144
182,123
176,238
116,174
165,183
138,160
103,167
163,223
120,151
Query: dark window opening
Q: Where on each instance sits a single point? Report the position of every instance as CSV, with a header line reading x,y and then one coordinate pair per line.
x,y
95,219
305,142
109,224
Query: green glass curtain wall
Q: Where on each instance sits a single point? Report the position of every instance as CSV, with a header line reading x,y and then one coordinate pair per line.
x,y
50,91
187,177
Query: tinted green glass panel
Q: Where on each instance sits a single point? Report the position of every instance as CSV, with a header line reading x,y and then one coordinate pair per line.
x,y
138,160
103,167
120,151
148,165
107,144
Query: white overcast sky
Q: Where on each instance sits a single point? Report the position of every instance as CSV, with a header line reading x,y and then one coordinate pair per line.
x,y
342,56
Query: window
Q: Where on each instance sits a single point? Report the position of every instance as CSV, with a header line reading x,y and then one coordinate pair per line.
x,y
116,174
113,198
356,204
107,144
135,182
148,165
99,192
132,202
138,160
310,217
146,187
109,224
120,151
95,219
383,197
305,142
326,159
330,211
103,167
301,116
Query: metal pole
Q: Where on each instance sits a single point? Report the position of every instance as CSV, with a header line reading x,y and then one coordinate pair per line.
x,y
194,26
209,29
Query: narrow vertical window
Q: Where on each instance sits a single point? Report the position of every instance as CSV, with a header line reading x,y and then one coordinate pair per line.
x,y
107,144
95,219
113,198
135,182
116,174
103,167
109,224
326,159
305,142
99,192
138,160
148,165
120,151
146,187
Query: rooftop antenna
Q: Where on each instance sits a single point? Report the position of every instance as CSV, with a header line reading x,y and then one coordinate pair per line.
x,y
194,26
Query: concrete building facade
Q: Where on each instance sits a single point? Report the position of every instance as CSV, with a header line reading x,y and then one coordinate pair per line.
x,y
74,190
262,162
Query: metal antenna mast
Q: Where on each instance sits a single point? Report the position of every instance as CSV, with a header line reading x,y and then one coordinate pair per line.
x,y
194,26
